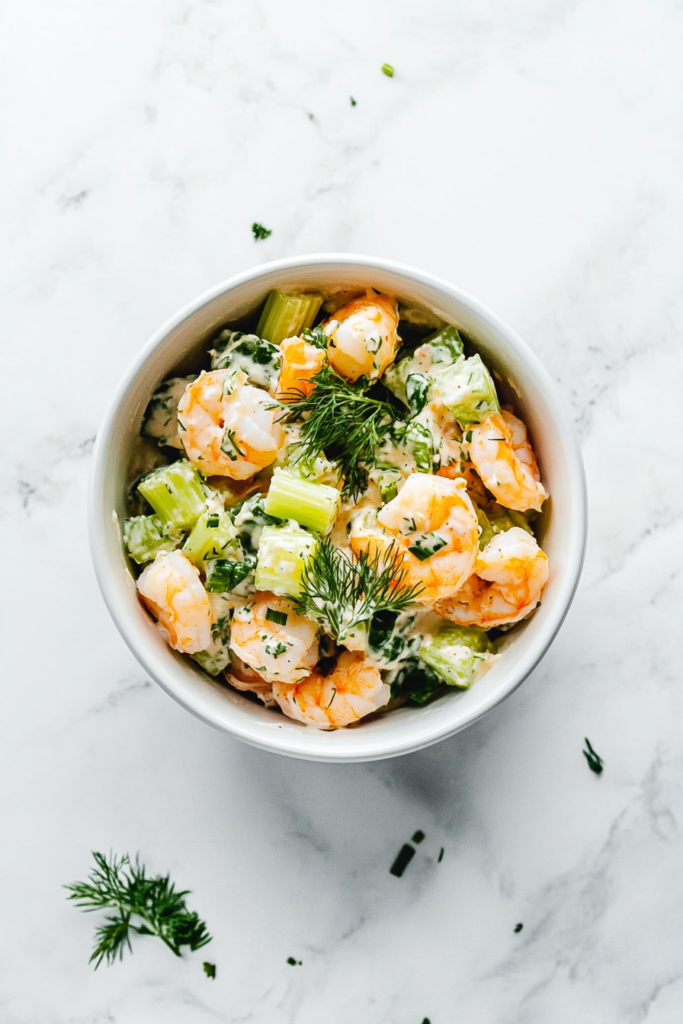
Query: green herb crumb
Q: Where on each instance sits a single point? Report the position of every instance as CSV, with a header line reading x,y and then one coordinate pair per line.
x,y
418,836
388,70
353,102
595,762
403,859
518,928
209,969
259,231
294,963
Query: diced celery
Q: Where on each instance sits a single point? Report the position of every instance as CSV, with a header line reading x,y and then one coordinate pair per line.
x,y
258,358
387,478
467,390
161,415
175,493
458,654
146,537
313,505
282,554
212,535
224,574
216,657
286,316
418,441
446,346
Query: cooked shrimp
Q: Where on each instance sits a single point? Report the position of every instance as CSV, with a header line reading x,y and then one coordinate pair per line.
x,y
504,459
433,525
279,651
361,336
248,680
300,362
352,690
171,589
511,572
228,427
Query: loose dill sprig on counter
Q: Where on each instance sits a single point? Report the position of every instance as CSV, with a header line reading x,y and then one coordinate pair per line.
x,y
340,592
141,905
340,420
595,762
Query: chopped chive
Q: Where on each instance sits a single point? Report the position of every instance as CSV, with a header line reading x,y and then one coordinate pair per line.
x,y
212,521
518,928
403,859
387,70
209,969
440,857
353,102
274,616
418,836
426,545
426,1020
294,963
595,762
259,231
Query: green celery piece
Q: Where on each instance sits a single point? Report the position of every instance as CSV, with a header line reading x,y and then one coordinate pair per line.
x,y
175,493
503,519
446,346
146,537
467,390
388,480
282,554
417,439
455,653
224,574
212,536
258,358
287,315
310,504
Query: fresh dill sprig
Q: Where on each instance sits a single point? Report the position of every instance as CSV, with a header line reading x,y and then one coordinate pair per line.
x,y
340,420
141,905
340,592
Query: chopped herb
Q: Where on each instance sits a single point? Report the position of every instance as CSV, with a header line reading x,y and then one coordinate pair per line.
x,y
209,969
427,545
230,447
426,1020
353,102
212,521
333,696
315,336
294,963
276,650
223,575
388,70
158,908
518,928
440,857
418,836
595,762
259,231
468,436
403,859
274,616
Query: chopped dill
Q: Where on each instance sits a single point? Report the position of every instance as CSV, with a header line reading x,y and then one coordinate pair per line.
x,y
595,762
259,232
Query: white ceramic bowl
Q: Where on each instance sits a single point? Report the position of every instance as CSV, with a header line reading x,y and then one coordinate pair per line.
x,y
562,532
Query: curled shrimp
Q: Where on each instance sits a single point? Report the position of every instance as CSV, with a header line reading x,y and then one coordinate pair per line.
x,y
510,574
278,650
300,362
503,458
228,427
361,336
432,524
352,690
172,590
248,680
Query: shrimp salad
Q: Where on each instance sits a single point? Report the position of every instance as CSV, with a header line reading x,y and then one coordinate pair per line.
x,y
336,514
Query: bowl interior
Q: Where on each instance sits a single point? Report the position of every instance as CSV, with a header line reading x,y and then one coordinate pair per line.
x,y
180,345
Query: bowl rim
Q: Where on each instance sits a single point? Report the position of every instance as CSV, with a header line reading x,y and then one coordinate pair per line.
x,y
281,742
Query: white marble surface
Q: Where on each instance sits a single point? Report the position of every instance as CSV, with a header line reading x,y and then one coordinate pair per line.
x,y
529,150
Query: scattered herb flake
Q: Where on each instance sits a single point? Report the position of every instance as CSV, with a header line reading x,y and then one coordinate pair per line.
x,y
440,857
403,859
418,836
388,70
595,762
294,963
259,231
209,969
274,616
353,102
518,928
426,1020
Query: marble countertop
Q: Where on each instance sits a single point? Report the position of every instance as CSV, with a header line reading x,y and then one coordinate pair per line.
x,y
531,152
